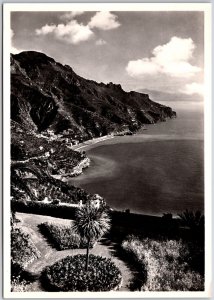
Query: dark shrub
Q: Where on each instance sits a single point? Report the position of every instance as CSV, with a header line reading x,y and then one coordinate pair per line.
x,y
69,274
23,250
62,237
41,208
56,201
18,273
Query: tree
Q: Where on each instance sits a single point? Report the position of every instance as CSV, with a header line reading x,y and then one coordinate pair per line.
x,y
193,220
91,223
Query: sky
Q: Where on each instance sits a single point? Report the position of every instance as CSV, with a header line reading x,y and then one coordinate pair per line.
x,y
158,51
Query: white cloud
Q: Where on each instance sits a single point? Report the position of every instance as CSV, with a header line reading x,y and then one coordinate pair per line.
x,y
71,32
104,20
100,42
45,29
193,88
142,66
71,14
171,59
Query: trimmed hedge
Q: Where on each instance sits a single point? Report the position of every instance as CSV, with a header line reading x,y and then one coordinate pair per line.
x,y
62,237
41,208
69,274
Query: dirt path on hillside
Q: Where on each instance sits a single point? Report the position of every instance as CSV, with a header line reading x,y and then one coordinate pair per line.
x,y
49,255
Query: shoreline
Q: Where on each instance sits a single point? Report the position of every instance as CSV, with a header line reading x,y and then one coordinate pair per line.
x,y
85,163
91,142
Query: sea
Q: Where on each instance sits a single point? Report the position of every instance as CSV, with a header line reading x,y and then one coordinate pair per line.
x,y
158,170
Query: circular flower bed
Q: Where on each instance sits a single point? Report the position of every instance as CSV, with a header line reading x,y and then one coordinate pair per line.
x,y
69,274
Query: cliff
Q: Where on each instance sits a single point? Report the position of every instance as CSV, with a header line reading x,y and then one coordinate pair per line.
x,y
52,109
47,95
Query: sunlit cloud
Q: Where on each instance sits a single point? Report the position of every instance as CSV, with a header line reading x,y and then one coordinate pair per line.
x,y
104,20
100,42
172,59
71,32
193,88
71,14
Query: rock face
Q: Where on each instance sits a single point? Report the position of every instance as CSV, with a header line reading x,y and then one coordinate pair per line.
x,y
47,95
52,109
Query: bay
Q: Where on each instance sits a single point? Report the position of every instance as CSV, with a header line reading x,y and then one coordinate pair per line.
x,y
156,171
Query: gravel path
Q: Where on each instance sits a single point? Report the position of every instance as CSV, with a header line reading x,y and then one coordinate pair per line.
x,y
49,255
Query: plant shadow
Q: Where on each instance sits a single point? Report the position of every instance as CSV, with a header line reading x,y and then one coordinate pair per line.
x,y
138,271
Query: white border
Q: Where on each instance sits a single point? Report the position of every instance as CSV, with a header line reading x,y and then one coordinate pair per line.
x,y
206,8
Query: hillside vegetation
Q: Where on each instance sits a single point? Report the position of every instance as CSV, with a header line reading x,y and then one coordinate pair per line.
x,y
53,109
47,95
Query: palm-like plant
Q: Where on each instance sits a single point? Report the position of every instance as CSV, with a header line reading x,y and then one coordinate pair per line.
x,y
91,223
193,220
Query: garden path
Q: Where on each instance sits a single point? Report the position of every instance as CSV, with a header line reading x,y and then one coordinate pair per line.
x,y
49,255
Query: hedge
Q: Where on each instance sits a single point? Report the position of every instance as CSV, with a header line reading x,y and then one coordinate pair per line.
x,y
41,208
62,237
69,274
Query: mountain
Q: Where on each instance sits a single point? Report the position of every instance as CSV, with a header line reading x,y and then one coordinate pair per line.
x,y
47,95
53,108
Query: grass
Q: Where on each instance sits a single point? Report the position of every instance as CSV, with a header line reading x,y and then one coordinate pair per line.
x,y
164,265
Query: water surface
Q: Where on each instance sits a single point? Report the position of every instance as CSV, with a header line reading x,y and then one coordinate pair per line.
x,y
156,171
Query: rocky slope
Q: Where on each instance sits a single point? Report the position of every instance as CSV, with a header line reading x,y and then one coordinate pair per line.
x,y
47,95
52,108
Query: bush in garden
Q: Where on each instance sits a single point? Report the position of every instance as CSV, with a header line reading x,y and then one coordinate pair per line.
x,y
20,279
23,250
60,236
41,208
166,265
20,286
69,274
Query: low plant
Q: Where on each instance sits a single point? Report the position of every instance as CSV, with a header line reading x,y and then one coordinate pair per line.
x,y
165,265
23,250
19,282
20,286
63,237
69,274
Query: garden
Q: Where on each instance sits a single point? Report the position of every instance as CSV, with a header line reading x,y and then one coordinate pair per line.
x,y
163,265
82,272
85,254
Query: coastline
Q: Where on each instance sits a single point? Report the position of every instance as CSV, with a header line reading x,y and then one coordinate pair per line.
x,y
84,163
91,142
